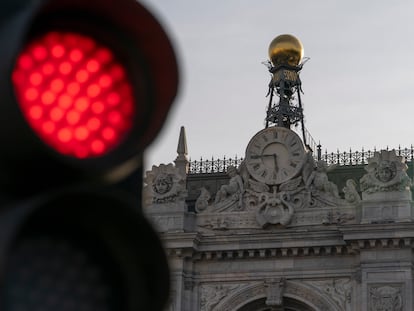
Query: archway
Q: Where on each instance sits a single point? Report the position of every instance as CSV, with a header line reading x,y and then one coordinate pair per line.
x,y
289,304
296,297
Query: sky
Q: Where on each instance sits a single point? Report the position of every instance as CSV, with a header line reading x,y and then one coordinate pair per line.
x,y
358,84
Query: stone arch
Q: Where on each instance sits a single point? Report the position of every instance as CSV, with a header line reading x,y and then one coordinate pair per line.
x,y
289,304
293,290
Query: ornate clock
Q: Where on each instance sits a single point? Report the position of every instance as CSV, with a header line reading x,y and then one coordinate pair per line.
x,y
275,155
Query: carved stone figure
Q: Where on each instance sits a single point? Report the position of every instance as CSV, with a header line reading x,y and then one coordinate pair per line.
x,y
385,172
164,184
277,204
202,201
351,192
274,208
308,170
234,189
319,179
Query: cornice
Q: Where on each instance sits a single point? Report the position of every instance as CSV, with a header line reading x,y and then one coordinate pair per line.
x,y
340,241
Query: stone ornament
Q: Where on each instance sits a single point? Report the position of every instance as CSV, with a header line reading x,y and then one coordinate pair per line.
x,y
385,172
351,194
275,289
275,209
212,295
234,190
202,201
164,184
337,218
277,179
277,204
385,298
338,289
318,179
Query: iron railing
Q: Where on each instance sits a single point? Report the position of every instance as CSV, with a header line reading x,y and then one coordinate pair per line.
x,y
213,165
339,158
361,157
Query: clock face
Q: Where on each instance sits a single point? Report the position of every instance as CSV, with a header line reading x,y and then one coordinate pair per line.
x,y
275,155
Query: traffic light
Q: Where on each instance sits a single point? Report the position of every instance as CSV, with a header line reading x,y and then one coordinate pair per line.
x,y
85,86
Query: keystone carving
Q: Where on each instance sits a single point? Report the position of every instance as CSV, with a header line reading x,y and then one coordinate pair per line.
x,y
274,290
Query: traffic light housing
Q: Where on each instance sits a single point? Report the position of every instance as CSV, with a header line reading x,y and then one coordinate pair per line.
x,y
86,86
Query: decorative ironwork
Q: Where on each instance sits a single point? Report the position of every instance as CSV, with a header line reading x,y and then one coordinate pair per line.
x,y
345,158
285,53
311,143
213,165
285,83
361,157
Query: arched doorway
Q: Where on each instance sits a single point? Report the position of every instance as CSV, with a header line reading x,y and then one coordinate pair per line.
x,y
289,304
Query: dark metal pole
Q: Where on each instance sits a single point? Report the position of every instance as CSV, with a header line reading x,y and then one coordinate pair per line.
x,y
270,105
301,119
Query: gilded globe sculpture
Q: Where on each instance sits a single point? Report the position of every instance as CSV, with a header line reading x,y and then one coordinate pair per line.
x,y
285,50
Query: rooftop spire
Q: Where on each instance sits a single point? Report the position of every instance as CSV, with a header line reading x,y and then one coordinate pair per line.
x,y
181,162
286,54
182,144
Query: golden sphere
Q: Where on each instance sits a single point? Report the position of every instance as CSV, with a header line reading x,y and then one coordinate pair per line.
x,y
285,50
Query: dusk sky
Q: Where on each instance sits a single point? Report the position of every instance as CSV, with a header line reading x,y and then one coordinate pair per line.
x,y
358,84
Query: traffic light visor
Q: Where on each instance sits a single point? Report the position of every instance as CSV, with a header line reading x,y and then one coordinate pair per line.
x,y
74,93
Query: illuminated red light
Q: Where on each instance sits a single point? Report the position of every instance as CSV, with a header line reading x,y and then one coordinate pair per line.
x,y
74,93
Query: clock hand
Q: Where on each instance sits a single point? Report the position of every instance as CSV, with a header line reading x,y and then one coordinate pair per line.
x,y
275,159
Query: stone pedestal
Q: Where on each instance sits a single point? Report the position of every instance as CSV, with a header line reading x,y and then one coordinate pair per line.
x,y
390,206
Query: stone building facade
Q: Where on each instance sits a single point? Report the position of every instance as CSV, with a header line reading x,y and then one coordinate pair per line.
x,y
309,236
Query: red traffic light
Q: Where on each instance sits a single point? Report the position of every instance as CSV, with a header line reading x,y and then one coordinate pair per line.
x,y
86,86
74,93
